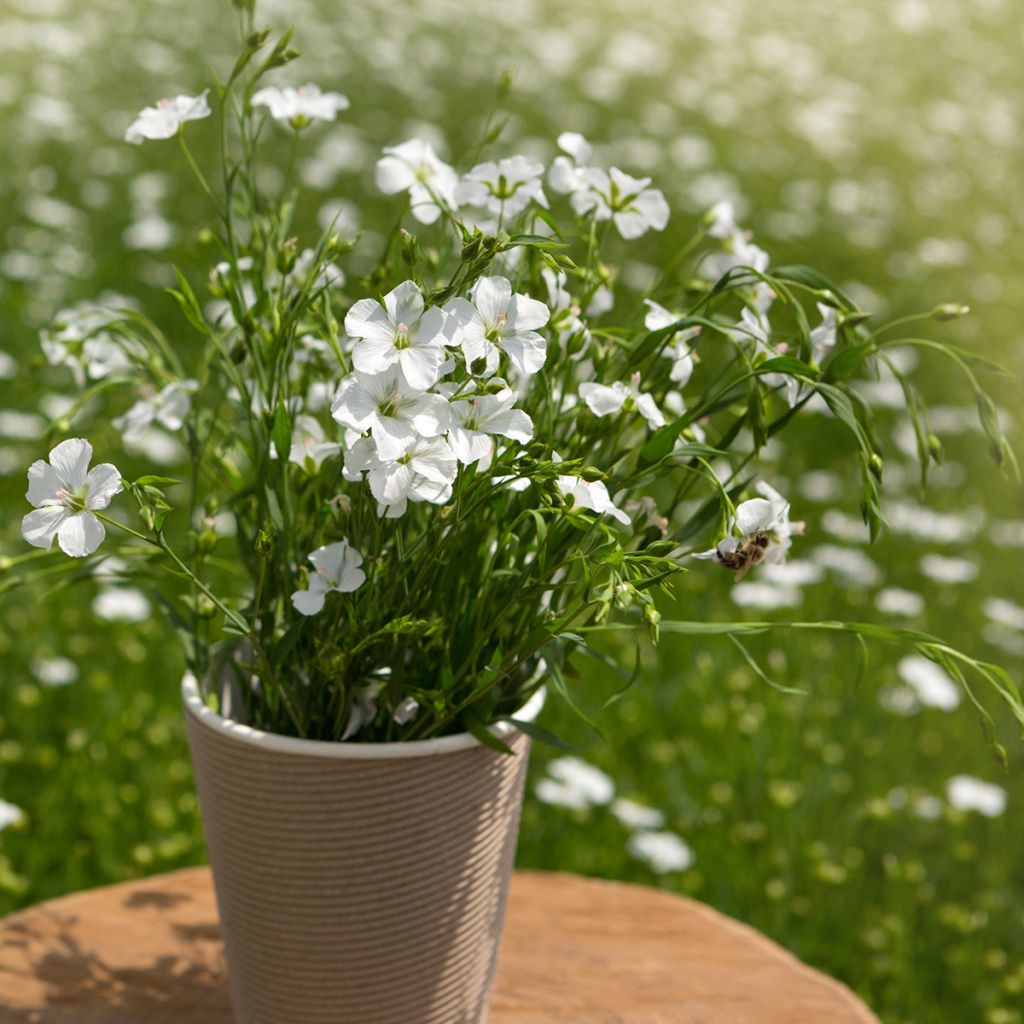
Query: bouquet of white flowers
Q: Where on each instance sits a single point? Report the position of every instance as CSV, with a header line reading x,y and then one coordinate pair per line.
x,y
413,494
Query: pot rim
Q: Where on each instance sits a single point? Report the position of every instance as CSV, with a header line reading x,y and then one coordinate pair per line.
x,y
348,750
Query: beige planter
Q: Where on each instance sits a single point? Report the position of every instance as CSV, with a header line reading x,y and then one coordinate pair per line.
x,y
357,883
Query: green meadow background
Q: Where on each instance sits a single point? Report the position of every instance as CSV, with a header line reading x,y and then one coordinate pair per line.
x,y
879,142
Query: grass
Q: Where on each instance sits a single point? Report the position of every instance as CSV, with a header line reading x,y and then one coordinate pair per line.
x,y
878,145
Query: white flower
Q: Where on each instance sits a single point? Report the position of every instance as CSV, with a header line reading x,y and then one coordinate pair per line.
x,y
475,420
405,711
415,168
165,119
931,684
10,815
568,173
394,412
363,710
398,332
78,340
967,793
309,443
591,494
300,105
504,188
754,326
678,349
573,333
121,604
54,671
496,321
663,852
65,494
721,220
424,472
604,401
896,601
336,567
582,783
168,408
628,202
823,337
634,815
761,521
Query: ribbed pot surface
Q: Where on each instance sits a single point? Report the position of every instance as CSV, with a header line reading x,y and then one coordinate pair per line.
x,y
358,891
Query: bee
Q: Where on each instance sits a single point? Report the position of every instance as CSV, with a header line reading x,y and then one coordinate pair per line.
x,y
743,559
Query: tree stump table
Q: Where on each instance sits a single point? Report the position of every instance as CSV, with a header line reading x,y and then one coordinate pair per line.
x,y
576,951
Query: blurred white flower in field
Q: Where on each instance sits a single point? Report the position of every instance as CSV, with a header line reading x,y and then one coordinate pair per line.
x,y
167,408
896,601
603,400
931,684
400,331
927,807
944,569
121,604
853,565
300,105
337,567
635,815
10,815
495,320
310,445
663,852
592,494
165,119
21,426
66,493
966,793
54,671
628,202
576,784
475,421
8,366
1004,612
899,700
504,188
766,596
415,168
396,413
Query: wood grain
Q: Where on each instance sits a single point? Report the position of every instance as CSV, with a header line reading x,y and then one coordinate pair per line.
x,y
576,951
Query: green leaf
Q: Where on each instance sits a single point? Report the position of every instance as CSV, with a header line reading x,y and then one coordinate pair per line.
x,y
155,481
539,733
789,365
811,278
474,726
849,361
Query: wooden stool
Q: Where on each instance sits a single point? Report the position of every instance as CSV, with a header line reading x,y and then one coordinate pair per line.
x,y
576,951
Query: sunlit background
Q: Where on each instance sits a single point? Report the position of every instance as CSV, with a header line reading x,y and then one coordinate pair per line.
x,y
880,142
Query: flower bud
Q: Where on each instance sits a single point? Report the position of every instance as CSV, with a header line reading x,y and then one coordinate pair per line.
x,y
935,448
592,473
506,83
478,366
264,543
207,541
652,620
950,311
205,608
876,466
410,248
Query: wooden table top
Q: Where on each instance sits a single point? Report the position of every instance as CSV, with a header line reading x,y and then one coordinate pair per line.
x,y
576,951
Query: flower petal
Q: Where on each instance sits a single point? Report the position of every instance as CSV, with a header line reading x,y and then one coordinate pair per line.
x,y
80,534
102,483
40,527
43,483
71,460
